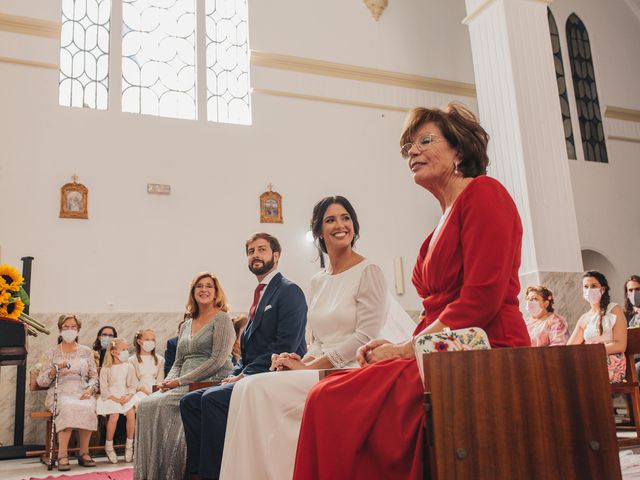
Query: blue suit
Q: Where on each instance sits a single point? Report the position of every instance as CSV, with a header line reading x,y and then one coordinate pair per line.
x,y
278,326
170,354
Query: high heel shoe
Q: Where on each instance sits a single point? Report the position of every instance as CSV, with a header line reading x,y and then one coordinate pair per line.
x,y
86,460
63,467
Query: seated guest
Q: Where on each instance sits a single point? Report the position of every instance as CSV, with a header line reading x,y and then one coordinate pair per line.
x,y
117,389
632,301
277,320
349,305
239,324
603,323
369,422
78,381
148,366
203,354
103,339
545,327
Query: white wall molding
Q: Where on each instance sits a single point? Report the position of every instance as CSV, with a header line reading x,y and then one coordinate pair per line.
x,y
363,74
325,99
29,63
627,114
29,26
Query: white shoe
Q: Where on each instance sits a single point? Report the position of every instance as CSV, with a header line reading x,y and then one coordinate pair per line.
x,y
128,451
111,453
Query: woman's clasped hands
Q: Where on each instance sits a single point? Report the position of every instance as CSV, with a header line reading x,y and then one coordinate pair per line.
x,y
287,361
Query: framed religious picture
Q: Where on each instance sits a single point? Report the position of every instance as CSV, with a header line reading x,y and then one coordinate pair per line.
x,y
74,200
271,206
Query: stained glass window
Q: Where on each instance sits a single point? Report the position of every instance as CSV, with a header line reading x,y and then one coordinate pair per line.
x,y
562,86
159,57
84,53
584,86
228,89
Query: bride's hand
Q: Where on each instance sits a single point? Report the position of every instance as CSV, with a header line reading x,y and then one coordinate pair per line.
x,y
366,355
275,359
290,361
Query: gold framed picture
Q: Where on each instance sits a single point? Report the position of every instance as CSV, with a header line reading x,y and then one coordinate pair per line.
x,y
74,199
271,206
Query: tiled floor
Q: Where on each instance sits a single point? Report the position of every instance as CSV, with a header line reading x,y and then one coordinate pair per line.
x,y
31,467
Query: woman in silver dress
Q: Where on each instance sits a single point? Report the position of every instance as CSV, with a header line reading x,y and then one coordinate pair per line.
x,y
78,381
204,354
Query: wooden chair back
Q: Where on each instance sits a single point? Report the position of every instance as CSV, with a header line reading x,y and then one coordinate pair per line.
x,y
525,413
633,349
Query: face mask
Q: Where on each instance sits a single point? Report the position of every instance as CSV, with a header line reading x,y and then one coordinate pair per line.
x,y
634,298
148,345
534,308
105,340
592,295
123,356
69,335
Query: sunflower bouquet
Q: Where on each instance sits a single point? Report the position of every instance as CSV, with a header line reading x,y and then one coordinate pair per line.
x,y
13,299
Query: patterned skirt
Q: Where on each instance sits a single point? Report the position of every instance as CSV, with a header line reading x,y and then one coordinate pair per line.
x,y
617,366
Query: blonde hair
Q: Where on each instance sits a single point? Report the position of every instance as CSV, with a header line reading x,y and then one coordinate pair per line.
x,y
108,358
220,301
137,337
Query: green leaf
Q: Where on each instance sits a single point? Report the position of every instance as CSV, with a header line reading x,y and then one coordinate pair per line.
x,y
24,297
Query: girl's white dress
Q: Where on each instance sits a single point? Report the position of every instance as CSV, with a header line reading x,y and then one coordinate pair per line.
x,y
148,373
346,311
116,380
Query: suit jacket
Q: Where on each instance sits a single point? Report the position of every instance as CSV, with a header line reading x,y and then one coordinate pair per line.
x,y
170,354
278,326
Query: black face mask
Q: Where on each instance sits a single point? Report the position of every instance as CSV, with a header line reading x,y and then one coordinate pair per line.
x,y
266,266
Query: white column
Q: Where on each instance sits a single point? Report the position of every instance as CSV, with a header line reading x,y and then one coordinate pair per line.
x,y
518,105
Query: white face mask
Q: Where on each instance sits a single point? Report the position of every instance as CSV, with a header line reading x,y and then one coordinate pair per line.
x,y
123,356
148,345
592,295
534,308
69,335
634,298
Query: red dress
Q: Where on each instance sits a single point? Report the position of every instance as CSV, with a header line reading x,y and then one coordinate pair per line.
x,y
369,423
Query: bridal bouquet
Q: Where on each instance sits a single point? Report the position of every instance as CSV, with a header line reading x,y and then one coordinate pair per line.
x,y
13,299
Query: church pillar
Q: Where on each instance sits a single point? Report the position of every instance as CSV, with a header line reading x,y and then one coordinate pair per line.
x,y
518,105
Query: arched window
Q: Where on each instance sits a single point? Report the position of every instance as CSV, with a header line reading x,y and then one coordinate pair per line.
x,y
562,86
584,86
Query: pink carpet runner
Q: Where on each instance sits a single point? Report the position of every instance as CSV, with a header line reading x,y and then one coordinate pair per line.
x,y
124,474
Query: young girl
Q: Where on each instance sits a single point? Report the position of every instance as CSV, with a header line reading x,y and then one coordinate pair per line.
x,y
147,365
117,387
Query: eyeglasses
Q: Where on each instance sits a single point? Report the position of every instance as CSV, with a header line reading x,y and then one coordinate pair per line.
x,y
421,145
208,286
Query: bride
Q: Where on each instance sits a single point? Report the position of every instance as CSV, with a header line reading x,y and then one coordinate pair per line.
x,y
349,307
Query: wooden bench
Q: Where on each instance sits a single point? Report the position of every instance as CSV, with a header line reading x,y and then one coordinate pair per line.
x,y
520,413
630,387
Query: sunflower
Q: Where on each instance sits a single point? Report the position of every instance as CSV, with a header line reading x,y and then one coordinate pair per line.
x,y
14,309
4,297
10,279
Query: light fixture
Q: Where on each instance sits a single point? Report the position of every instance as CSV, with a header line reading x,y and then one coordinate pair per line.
x,y
376,7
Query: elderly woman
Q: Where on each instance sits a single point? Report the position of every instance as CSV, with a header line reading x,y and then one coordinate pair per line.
x,y
78,381
545,327
368,423
604,322
203,354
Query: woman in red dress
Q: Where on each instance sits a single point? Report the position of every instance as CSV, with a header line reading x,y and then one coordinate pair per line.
x,y
369,423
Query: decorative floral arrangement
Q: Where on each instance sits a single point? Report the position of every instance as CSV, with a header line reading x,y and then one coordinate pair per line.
x,y
13,300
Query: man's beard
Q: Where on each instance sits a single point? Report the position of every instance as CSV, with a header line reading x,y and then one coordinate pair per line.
x,y
266,266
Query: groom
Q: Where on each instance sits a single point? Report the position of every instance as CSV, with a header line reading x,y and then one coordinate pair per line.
x,y
276,324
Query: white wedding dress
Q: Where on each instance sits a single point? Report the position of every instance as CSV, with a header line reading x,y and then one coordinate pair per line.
x,y
345,312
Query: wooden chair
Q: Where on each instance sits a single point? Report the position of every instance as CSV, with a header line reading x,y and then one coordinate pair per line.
x,y
525,413
630,387
198,385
